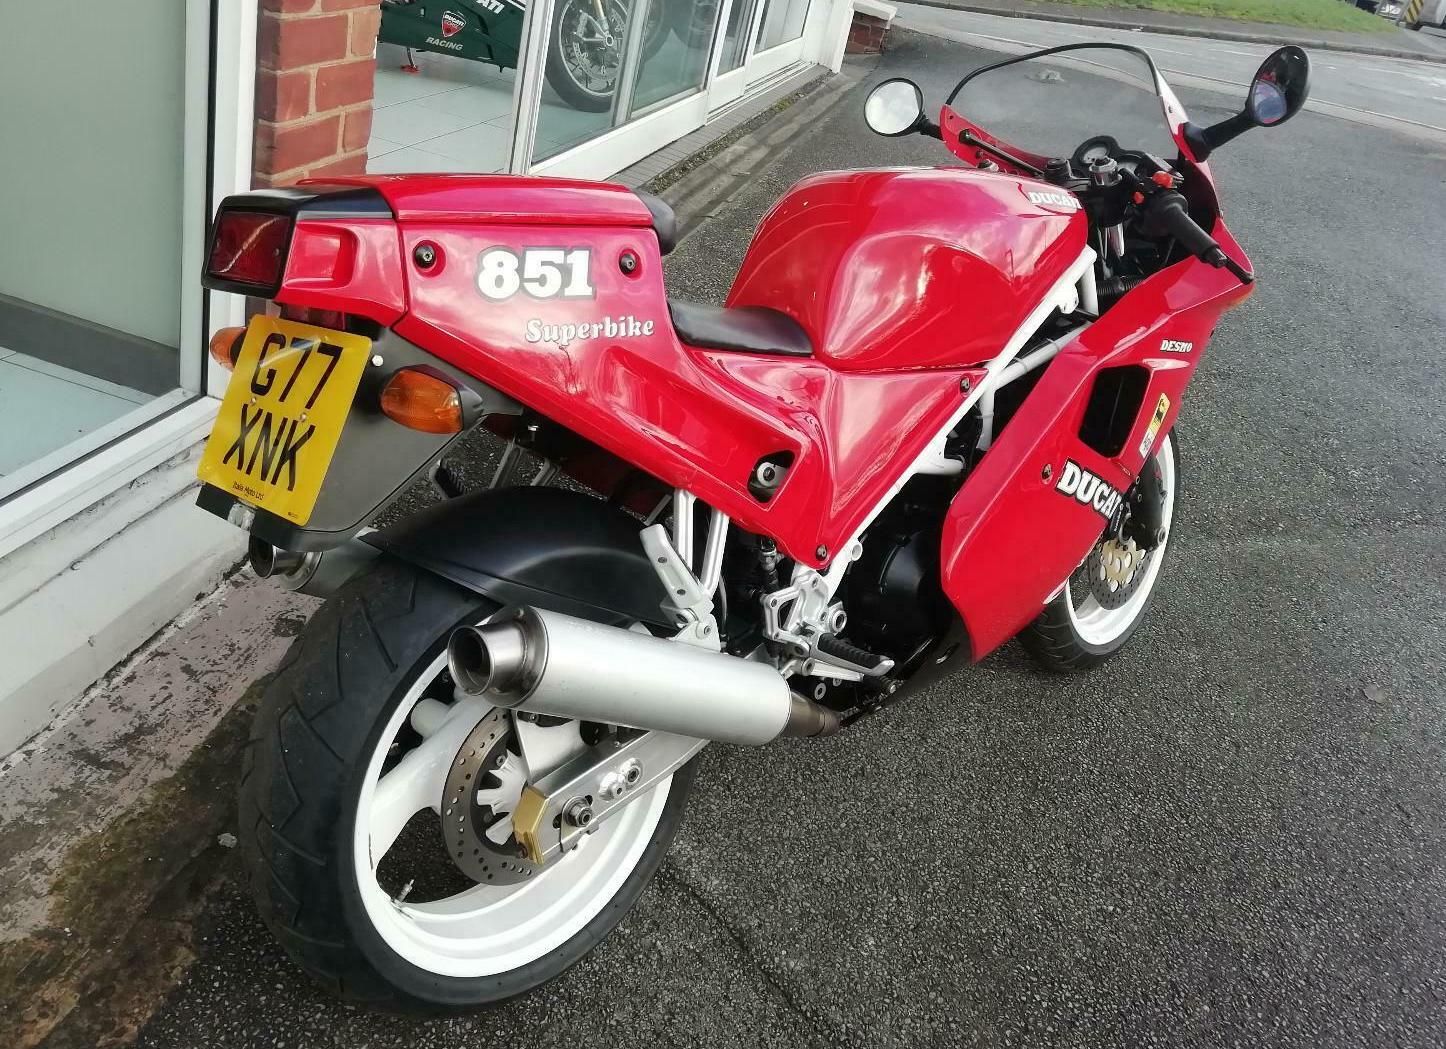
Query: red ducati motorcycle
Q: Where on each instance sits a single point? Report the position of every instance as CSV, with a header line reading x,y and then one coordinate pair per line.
x,y
934,414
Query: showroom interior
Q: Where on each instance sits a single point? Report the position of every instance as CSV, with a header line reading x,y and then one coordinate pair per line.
x,y
120,142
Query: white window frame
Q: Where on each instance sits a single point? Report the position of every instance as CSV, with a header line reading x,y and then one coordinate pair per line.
x,y
171,424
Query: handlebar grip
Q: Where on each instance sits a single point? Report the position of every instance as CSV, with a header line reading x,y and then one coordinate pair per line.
x,y
1167,214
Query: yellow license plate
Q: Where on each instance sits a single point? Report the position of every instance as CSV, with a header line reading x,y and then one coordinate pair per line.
x,y
283,414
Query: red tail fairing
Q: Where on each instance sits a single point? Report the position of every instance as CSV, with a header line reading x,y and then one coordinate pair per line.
x,y
701,420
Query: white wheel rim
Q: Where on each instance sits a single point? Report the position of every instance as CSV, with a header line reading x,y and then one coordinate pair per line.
x,y
487,929
1101,626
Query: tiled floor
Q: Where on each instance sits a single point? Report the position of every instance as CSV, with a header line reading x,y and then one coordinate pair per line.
x,y
44,407
456,115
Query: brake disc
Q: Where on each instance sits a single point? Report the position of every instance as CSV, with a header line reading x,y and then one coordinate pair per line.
x,y
483,785
1113,571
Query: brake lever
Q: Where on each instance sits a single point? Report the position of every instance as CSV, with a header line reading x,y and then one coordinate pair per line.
x,y
1241,273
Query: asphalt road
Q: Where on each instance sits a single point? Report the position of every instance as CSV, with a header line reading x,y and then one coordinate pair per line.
x,y
1361,87
1231,835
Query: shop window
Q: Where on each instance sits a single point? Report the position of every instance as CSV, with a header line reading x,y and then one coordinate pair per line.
x,y
442,96
674,60
94,171
602,70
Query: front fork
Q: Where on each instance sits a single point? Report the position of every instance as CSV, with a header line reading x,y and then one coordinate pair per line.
x,y
1145,521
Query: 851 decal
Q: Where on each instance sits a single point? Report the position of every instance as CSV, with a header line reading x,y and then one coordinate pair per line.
x,y
542,273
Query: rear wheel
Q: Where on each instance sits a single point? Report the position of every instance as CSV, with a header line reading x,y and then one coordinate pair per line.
x,y
1103,603
376,814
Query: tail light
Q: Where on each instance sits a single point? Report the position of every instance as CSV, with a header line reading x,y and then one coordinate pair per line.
x,y
333,319
248,252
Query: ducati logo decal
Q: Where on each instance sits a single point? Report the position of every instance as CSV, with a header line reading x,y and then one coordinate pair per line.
x,y
1052,200
452,23
1162,408
1088,490
1172,346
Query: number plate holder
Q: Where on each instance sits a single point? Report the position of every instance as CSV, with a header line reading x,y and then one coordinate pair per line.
x,y
283,414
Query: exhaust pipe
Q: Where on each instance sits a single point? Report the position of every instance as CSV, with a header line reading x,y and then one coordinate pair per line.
x,y
319,573
544,662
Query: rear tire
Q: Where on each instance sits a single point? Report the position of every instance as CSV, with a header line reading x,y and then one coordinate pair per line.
x,y
1076,631
313,749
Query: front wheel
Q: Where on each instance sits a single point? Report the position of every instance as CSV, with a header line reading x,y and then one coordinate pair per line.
x,y
375,814
1104,601
584,51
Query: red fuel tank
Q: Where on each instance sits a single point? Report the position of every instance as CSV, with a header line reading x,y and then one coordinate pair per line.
x,y
911,268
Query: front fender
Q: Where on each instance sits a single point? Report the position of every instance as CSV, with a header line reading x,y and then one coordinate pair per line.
x,y
549,547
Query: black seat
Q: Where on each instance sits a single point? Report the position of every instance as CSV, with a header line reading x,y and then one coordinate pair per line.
x,y
755,329
665,223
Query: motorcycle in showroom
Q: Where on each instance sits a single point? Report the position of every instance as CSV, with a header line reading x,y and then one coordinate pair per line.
x,y
935,413
584,47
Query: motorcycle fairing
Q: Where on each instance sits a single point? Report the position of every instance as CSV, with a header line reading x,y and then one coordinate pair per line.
x,y
699,419
695,419
472,29
1011,538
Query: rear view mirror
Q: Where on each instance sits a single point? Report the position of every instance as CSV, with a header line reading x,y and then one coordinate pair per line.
x,y
894,107
1280,87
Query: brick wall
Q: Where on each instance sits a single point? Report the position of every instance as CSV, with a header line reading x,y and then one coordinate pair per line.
x,y
313,88
866,34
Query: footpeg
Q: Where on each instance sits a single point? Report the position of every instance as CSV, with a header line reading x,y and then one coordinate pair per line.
x,y
840,654
838,649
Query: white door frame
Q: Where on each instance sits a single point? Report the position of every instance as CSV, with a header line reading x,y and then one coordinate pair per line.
x,y
726,88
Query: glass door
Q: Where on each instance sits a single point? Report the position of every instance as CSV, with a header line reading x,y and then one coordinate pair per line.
x,y
738,34
783,22
779,42
730,78
761,39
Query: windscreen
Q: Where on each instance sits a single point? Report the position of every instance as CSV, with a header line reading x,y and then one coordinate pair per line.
x,y
1050,103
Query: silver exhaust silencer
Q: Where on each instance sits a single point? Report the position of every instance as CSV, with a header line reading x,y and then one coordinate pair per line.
x,y
547,663
319,573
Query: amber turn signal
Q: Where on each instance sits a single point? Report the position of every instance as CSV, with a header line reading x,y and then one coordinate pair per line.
x,y
226,346
422,401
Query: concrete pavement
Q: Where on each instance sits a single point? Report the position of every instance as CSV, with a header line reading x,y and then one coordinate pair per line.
x,y
1390,42
1229,835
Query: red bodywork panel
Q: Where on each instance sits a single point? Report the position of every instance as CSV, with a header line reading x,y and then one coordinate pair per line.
x,y
911,268
905,280
1010,539
697,419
